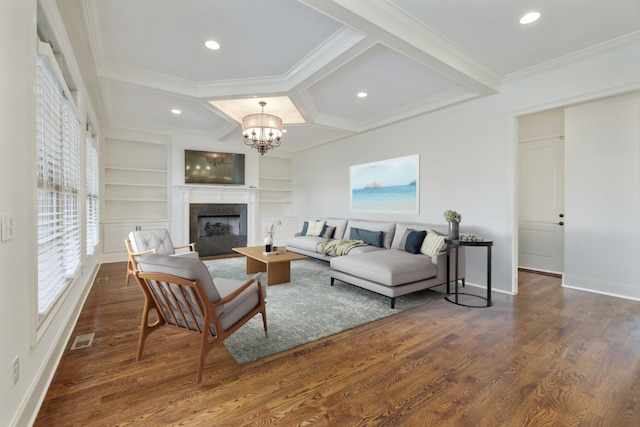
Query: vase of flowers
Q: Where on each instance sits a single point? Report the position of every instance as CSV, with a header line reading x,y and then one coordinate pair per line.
x,y
268,241
454,219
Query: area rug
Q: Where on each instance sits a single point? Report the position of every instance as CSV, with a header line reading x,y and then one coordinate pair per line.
x,y
307,308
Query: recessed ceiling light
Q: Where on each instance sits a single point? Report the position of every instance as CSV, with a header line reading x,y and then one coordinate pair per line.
x,y
176,111
362,94
530,17
211,44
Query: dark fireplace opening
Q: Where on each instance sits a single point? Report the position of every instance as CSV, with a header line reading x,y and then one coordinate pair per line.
x,y
217,228
212,226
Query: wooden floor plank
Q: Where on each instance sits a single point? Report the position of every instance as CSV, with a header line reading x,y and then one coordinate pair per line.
x,y
547,357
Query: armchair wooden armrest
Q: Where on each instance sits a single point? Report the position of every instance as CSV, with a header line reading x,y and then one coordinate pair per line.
x,y
131,259
191,246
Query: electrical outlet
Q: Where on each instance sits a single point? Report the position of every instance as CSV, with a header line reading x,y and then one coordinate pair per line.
x,y
16,370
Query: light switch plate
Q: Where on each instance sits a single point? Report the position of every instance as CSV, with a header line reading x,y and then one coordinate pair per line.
x,y
7,227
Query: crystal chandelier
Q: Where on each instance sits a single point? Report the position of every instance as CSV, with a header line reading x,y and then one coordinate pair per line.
x,y
262,131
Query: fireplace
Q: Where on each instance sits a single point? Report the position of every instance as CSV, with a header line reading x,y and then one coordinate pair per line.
x,y
214,225
227,198
216,228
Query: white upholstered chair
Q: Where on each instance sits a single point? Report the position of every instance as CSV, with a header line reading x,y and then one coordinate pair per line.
x,y
159,242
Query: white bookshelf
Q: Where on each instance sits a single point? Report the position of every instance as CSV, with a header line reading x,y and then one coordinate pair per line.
x,y
276,197
136,189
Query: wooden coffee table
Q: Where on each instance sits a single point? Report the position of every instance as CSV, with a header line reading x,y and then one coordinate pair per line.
x,y
278,266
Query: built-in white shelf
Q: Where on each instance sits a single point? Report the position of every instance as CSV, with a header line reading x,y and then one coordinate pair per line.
x,y
136,189
276,196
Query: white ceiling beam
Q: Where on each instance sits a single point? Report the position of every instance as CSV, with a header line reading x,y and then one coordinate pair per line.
x,y
403,33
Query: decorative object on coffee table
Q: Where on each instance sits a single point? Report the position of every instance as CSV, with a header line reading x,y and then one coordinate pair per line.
x,y
454,219
268,241
268,244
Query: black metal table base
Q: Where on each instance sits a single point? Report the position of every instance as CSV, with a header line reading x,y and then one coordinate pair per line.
x,y
456,244
489,303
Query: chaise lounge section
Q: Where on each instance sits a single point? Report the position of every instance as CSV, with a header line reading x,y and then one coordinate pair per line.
x,y
392,258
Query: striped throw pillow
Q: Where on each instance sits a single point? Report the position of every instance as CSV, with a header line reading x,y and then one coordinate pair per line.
x,y
315,228
433,243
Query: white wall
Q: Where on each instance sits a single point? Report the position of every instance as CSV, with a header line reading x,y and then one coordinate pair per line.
x,y
468,154
15,273
602,150
543,125
462,156
19,403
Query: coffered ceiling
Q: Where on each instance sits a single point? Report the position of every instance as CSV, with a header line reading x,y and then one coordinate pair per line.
x,y
309,58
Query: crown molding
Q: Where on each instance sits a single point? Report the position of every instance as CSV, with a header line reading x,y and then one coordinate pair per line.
x,y
439,101
576,57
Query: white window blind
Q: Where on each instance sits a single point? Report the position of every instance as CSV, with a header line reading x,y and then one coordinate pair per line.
x,y
58,168
93,218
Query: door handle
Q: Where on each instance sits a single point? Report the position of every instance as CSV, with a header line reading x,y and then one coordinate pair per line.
x,y
559,223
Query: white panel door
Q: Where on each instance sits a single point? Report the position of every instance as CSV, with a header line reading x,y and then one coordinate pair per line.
x,y
541,205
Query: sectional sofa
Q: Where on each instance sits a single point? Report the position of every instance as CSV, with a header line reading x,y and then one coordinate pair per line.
x,y
390,258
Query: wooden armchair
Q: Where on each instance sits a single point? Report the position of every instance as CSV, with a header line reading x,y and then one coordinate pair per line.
x,y
141,242
183,295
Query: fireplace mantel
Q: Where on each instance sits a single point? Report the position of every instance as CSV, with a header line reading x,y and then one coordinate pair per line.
x,y
184,195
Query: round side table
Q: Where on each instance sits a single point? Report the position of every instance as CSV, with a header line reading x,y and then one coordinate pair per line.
x,y
475,243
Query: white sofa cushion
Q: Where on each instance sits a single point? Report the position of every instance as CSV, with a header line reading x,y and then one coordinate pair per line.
x,y
390,268
308,243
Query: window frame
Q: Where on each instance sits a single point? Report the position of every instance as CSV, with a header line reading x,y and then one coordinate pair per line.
x,y
92,193
44,319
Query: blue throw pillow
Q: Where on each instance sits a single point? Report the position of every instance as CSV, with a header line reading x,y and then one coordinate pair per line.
x,y
373,238
304,228
414,241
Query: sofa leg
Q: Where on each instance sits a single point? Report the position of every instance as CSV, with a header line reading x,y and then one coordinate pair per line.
x,y
332,279
463,282
393,303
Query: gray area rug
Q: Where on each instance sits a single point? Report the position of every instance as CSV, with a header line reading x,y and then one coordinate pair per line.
x,y
307,308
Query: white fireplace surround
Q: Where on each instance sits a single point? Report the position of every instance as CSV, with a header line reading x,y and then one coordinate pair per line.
x,y
184,195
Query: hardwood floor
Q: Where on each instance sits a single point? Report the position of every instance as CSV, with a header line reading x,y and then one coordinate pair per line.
x,y
547,357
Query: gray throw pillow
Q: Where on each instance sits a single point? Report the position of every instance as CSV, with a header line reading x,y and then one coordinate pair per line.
x,y
327,232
